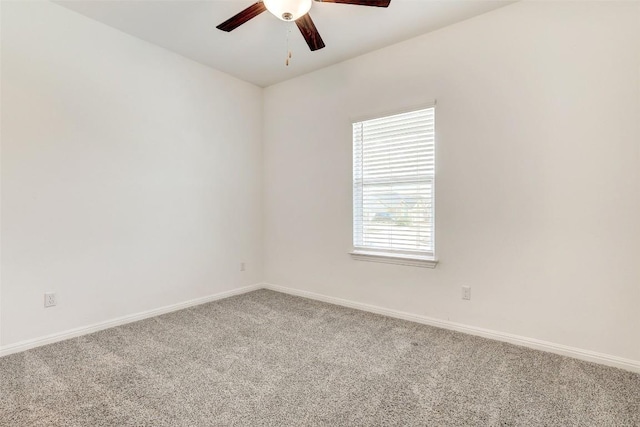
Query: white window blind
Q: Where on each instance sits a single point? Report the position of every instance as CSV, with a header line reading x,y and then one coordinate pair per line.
x,y
393,178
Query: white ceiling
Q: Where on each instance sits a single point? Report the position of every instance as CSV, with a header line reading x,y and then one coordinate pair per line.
x,y
256,51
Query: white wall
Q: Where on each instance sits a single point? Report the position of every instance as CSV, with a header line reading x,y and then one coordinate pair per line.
x,y
130,175
538,186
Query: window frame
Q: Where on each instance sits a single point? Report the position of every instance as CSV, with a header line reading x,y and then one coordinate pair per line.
x,y
390,256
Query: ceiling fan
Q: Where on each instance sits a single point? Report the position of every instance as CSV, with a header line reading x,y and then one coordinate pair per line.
x,y
293,10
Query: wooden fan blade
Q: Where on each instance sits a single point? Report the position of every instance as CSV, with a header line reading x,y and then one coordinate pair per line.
x,y
310,32
376,3
242,17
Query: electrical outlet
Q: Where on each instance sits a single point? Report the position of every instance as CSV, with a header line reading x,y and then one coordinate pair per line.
x,y
242,267
466,292
50,299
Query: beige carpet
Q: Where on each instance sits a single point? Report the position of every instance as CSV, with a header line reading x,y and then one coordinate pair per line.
x,y
269,359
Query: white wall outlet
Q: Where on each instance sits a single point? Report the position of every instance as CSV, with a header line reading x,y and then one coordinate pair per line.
x,y
466,292
50,299
242,266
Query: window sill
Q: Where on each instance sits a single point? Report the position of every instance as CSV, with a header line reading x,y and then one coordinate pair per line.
x,y
414,261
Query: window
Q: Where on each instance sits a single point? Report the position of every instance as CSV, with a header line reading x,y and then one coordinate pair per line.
x,y
393,189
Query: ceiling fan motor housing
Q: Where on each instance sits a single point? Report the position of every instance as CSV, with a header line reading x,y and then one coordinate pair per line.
x,y
288,10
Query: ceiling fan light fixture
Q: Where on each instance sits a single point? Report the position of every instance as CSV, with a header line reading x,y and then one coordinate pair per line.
x,y
288,10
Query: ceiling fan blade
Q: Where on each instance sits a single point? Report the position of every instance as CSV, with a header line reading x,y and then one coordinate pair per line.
x,y
242,17
377,3
310,32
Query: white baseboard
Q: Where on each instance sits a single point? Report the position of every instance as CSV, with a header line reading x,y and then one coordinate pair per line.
x,y
84,330
587,355
577,353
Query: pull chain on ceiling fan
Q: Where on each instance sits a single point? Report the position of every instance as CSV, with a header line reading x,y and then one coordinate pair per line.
x,y
293,10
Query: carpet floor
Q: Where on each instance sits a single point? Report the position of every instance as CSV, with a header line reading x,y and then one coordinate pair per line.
x,y
271,359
